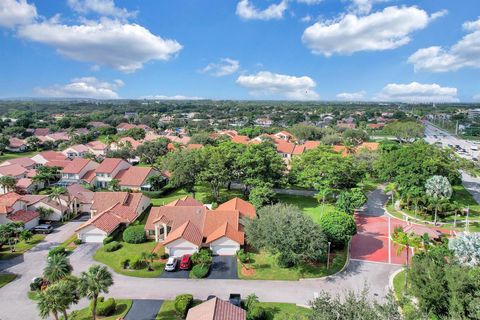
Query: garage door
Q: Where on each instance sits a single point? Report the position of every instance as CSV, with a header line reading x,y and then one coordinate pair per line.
x,y
93,237
224,250
180,251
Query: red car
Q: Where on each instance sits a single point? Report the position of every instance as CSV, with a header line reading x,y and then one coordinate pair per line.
x,y
186,262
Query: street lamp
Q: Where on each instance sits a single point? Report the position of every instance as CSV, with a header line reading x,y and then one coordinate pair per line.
x,y
328,255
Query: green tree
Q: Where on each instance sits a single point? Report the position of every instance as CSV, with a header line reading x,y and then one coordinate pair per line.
x,y
93,282
339,227
33,142
135,133
349,201
7,183
114,185
9,232
58,267
262,195
56,194
47,174
405,131
438,189
26,235
284,230
44,213
322,195
149,151
215,172
404,242
305,132
58,298
156,181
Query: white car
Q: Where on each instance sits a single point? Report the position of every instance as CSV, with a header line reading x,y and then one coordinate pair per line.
x,y
171,264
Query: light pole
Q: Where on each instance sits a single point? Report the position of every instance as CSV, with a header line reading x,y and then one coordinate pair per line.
x,y
328,255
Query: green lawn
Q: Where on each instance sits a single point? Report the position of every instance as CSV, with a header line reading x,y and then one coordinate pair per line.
x,y
405,301
267,268
279,311
6,278
167,311
129,251
20,248
122,308
309,205
201,193
13,155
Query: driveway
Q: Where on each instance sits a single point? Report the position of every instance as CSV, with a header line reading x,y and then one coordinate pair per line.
x,y
223,267
179,274
144,310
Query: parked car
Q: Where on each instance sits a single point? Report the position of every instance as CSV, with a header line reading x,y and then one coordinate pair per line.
x,y
186,262
43,228
171,264
235,299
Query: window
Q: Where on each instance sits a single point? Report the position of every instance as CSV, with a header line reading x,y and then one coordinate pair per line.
x,y
151,232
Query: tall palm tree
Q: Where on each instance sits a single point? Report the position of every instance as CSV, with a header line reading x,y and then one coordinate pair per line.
x,y
57,298
392,187
47,303
56,195
93,282
405,241
58,267
7,183
323,193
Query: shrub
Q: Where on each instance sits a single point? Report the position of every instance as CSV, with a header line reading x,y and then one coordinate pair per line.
x,y
57,250
164,256
124,263
107,240
256,313
200,270
339,227
243,256
182,303
137,263
112,246
77,241
204,256
104,307
134,234
36,284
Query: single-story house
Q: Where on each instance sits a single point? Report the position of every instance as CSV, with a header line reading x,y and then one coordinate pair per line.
x,y
186,225
76,151
59,208
16,145
80,198
25,162
216,309
109,211
136,178
44,157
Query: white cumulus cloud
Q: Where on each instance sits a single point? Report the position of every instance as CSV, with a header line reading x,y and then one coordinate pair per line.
x,y
175,97
310,2
364,6
382,30
351,96
225,67
86,87
122,46
273,84
14,13
464,54
101,7
417,93
246,10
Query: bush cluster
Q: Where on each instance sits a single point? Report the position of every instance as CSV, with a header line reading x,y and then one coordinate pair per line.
x,y
134,234
112,246
137,263
200,270
107,240
182,303
104,307
77,241
57,250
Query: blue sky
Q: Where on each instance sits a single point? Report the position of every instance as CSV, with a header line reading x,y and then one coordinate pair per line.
x,y
381,50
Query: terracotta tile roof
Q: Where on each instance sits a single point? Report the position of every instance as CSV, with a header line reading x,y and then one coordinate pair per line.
x,y
52,155
240,139
216,309
106,221
311,144
108,165
7,201
134,143
299,149
106,200
58,136
185,201
33,198
182,140
126,126
23,216
226,230
12,170
215,218
372,146
97,124
23,161
96,145
80,148
376,125
89,176
57,163
177,216
78,191
31,173
24,183
152,136
245,208
16,143
134,176
187,231
76,165
285,147
41,131
340,149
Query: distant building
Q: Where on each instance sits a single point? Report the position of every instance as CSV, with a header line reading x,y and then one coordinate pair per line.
x,y
474,113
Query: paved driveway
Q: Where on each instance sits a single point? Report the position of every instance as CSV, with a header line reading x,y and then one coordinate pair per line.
x,y
144,310
179,274
223,267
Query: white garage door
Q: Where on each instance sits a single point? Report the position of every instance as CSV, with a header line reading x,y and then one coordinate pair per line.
x,y
180,251
224,250
92,237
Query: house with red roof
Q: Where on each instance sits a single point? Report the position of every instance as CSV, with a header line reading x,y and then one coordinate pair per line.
x,y
124,126
60,207
186,225
16,145
78,170
98,148
25,162
76,151
216,309
13,208
109,211
136,178
108,170
48,156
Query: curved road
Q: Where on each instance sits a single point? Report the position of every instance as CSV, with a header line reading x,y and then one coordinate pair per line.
x,y
14,303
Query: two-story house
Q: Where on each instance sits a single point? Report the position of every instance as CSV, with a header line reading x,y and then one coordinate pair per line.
x,y
77,170
108,170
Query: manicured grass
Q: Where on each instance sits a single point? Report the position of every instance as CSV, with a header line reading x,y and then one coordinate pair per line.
x,y
6,278
309,205
32,295
122,308
20,248
279,311
402,295
201,194
267,268
130,251
13,155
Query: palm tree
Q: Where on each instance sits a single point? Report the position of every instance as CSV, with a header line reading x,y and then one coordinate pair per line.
x,y
93,282
56,195
44,212
323,193
58,267
438,189
402,241
26,235
7,183
57,298
114,185
392,187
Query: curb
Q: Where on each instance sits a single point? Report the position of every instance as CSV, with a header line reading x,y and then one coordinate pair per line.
x,y
392,276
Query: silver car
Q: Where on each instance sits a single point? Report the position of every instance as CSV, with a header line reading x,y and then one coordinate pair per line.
x,y
171,264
